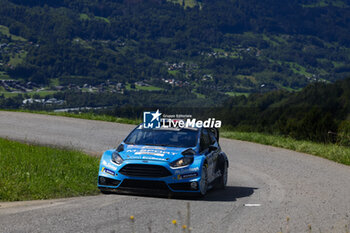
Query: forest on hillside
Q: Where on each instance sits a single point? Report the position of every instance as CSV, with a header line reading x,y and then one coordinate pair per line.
x,y
268,66
224,46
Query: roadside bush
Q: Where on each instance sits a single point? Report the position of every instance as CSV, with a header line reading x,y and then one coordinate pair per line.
x,y
343,137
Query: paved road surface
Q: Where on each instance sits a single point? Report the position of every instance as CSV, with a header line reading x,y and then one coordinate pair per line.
x,y
306,189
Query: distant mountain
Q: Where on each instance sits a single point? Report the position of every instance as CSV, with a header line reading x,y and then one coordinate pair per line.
x,y
229,47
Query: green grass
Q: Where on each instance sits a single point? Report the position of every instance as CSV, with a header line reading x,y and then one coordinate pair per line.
x,y
188,3
8,94
5,30
292,89
87,17
173,72
29,172
87,116
338,64
84,17
42,94
149,88
17,59
269,40
332,152
144,88
232,93
279,39
91,116
324,3
250,77
199,95
3,75
103,19
298,69
295,67
218,50
55,81
230,54
83,43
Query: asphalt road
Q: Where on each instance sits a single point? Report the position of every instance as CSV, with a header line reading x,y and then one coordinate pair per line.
x,y
307,190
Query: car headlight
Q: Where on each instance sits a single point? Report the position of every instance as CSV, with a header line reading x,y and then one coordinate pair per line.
x,y
116,158
184,161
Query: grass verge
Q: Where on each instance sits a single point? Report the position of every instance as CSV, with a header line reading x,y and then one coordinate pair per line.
x,y
87,116
332,152
29,172
92,116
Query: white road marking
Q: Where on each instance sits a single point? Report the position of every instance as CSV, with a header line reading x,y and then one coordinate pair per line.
x,y
252,205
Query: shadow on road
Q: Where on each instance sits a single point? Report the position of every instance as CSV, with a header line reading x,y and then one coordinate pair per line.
x,y
231,193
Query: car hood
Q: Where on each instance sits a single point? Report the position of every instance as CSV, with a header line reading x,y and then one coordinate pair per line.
x,y
157,153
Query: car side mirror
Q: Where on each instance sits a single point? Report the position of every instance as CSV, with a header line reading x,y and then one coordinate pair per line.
x,y
212,148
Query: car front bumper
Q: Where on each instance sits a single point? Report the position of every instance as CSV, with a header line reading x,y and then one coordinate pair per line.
x,y
179,180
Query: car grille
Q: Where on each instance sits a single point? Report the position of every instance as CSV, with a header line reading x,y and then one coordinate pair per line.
x,y
144,170
144,184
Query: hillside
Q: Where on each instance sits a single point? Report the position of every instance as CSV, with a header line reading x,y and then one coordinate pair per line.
x,y
226,47
320,112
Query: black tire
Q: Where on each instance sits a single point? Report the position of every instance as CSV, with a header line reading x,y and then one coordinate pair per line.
x,y
203,184
223,178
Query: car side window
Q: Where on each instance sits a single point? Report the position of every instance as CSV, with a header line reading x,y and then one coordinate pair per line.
x,y
205,141
212,138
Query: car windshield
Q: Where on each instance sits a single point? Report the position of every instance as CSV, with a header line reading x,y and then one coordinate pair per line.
x,y
161,137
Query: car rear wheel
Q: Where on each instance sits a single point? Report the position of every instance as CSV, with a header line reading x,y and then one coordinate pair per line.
x,y
223,178
203,185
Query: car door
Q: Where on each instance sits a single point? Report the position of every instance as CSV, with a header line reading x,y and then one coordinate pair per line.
x,y
206,147
213,134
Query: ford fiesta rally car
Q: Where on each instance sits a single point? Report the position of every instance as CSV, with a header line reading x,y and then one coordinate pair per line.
x,y
170,160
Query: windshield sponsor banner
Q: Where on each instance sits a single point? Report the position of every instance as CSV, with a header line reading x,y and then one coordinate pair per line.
x,y
151,152
149,157
153,158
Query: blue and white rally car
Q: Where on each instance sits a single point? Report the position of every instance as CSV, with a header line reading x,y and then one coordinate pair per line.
x,y
170,160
